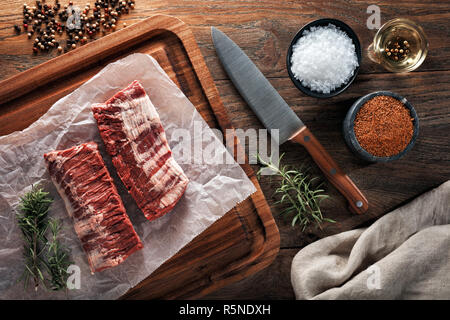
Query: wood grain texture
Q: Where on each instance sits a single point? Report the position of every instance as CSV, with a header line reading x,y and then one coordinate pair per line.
x,y
246,239
386,185
264,29
274,282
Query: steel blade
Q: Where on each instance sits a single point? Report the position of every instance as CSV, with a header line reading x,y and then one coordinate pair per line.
x,y
260,95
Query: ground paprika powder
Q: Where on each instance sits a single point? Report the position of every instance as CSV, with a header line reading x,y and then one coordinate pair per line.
x,y
383,126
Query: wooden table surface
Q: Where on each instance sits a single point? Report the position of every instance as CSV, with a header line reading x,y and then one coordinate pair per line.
x,y
264,29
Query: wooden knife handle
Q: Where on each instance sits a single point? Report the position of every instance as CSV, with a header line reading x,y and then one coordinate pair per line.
x,y
357,202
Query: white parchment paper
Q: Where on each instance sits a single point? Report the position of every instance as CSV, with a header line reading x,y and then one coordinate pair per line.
x,y
213,190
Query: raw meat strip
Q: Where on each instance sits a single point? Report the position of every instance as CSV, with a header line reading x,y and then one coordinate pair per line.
x,y
91,199
134,137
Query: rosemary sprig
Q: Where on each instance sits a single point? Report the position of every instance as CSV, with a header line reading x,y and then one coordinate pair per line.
x,y
40,253
32,221
57,258
298,193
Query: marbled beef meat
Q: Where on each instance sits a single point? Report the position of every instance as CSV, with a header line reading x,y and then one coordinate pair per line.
x,y
134,137
91,199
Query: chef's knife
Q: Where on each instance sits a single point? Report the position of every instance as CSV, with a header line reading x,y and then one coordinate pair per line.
x,y
275,113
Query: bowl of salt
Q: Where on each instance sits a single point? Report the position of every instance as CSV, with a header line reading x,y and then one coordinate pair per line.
x,y
324,58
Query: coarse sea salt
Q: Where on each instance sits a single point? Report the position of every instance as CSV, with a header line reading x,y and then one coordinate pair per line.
x,y
324,58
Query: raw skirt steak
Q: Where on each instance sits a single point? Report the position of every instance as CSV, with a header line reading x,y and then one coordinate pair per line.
x,y
134,137
99,217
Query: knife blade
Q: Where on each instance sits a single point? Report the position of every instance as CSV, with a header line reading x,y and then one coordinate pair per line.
x,y
260,95
275,113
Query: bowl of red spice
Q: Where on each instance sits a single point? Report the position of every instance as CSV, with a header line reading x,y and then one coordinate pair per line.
x,y
381,126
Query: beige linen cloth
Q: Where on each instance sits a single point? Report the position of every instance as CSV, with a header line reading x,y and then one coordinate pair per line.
x,y
403,255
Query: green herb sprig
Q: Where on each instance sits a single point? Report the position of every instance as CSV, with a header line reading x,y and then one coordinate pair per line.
x,y
58,259
32,221
42,256
298,193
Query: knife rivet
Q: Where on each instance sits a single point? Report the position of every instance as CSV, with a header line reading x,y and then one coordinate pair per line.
x,y
333,171
306,138
359,204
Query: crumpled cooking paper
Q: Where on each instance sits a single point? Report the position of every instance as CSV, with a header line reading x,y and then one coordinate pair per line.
x,y
213,190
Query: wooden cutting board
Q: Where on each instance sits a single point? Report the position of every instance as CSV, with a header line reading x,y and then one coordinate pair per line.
x,y
244,240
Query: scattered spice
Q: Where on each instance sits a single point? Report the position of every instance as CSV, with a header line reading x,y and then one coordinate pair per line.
x,y
383,126
45,20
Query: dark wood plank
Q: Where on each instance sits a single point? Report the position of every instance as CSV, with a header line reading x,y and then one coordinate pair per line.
x,y
264,30
269,27
386,186
272,283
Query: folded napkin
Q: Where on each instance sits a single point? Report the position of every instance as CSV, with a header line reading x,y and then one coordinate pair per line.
x,y
403,255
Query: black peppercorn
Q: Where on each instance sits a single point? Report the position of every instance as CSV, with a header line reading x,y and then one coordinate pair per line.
x,y
45,20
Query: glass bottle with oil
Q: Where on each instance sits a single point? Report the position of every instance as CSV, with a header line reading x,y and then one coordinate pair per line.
x,y
400,45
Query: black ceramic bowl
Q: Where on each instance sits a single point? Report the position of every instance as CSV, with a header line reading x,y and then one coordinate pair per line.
x,y
324,22
349,133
